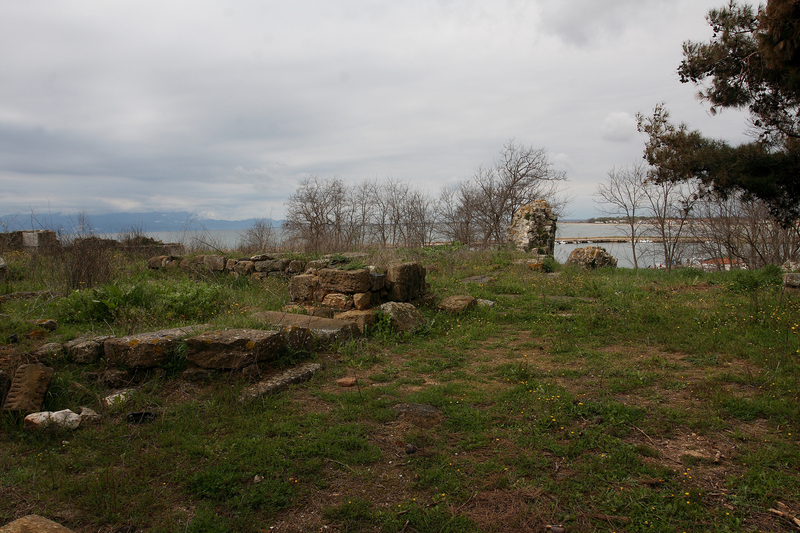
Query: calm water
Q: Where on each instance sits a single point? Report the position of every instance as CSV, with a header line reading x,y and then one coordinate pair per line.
x,y
648,253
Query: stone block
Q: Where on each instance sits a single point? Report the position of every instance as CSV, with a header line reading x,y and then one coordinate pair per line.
x,y
457,303
244,268
296,267
378,281
337,300
28,388
404,317
86,351
303,288
272,265
34,524
277,383
145,350
156,262
317,264
363,319
234,348
324,330
215,263
345,281
362,300
405,281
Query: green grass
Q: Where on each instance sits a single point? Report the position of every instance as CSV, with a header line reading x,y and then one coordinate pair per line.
x,y
612,400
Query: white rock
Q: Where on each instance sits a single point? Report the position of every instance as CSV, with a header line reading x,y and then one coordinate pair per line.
x,y
65,419
118,398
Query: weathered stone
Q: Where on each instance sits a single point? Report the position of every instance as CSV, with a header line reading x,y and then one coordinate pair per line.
x,y
324,330
296,266
260,257
172,262
244,268
274,384
273,265
47,323
215,263
229,264
349,381
421,415
89,416
28,388
298,339
791,281
145,350
322,312
404,317
591,257
346,281
378,281
457,303
64,419
363,319
362,300
486,303
317,264
49,352
86,351
156,262
533,228
234,348
303,288
337,300
405,281
118,398
34,524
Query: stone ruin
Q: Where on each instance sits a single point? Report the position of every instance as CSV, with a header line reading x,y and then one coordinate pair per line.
x,y
591,257
533,228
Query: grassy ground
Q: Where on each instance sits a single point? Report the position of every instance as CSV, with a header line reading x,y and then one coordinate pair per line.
x,y
613,400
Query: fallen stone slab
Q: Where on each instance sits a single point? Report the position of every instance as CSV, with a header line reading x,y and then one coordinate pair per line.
x,y
234,348
404,317
146,350
49,351
86,351
34,524
363,319
65,419
457,303
28,388
324,330
277,383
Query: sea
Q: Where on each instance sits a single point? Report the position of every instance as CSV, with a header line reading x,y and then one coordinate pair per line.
x,y
648,254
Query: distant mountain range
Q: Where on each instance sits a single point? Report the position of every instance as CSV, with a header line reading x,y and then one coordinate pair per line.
x,y
121,222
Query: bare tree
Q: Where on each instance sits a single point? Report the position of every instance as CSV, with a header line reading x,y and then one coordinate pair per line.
x,y
670,204
520,175
623,195
314,213
734,229
259,237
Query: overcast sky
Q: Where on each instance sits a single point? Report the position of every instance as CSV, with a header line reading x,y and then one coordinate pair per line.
x,y
221,108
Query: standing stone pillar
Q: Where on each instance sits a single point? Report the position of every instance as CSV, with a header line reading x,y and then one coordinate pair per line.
x,y
533,228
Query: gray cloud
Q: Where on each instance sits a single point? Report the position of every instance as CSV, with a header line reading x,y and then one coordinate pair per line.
x,y
223,107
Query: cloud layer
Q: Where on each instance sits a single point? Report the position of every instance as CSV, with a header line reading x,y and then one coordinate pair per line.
x,y
222,107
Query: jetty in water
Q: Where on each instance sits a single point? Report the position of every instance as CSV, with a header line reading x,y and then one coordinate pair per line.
x,y
616,239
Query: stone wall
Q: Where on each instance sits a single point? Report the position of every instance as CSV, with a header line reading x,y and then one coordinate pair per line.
x,y
315,283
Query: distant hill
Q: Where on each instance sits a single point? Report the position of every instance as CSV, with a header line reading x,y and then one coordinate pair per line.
x,y
119,222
